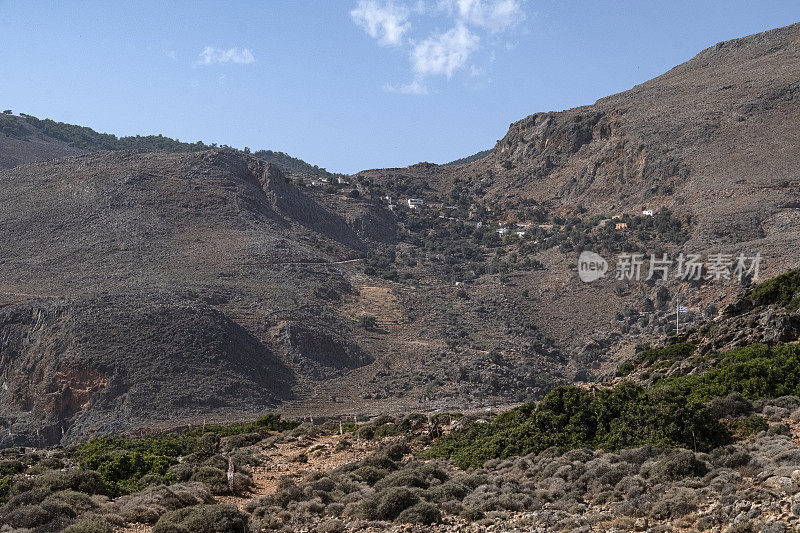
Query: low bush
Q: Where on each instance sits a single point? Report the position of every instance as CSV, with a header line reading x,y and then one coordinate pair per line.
x,y
752,425
203,519
85,481
421,513
782,290
9,467
569,417
215,478
756,372
732,406
95,524
5,488
666,355
149,505
241,440
388,504
676,465
92,525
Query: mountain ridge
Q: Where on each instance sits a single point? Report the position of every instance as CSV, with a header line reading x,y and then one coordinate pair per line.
x,y
82,139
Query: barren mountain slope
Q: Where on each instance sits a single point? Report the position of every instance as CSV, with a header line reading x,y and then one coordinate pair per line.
x,y
715,140
250,293
147,288
21,143
122,266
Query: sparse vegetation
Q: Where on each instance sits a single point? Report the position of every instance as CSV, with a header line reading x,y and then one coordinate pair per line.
x,y
756,372
570,417
783,290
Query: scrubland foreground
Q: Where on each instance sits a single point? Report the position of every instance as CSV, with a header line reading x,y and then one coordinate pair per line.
x,y
622,458
377,477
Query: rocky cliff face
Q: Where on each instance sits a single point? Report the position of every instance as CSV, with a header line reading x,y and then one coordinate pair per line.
x,y
73,369
711,138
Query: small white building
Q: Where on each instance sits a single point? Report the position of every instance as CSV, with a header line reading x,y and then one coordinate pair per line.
x,y
647,212
414,203
479,225
343,181
317,183
501,231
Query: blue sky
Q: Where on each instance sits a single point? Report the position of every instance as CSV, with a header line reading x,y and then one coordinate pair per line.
x,y
346,84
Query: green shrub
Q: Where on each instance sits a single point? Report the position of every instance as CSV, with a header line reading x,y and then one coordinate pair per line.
x,y
5,488
401,478
216,479
666,355
782,290
129,464
241,440
182,471
370,474
9,467
270,422
86,481
752,425
625,416
125,470
756,372
625,368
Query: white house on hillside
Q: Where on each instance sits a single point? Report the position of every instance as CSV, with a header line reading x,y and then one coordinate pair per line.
x,y
647,212
414,203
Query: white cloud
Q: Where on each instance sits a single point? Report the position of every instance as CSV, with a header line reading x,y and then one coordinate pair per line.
x,y
476,72
444,53
473,25
211,55
384,21
414,87
494,15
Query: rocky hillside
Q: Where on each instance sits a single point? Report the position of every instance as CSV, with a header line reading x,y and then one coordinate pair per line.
x,y
713,142
134,276
248,289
